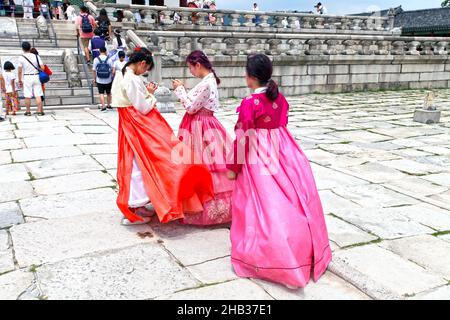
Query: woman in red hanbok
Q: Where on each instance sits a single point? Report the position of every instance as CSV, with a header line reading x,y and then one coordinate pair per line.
x,y
278,232
206,138
147,170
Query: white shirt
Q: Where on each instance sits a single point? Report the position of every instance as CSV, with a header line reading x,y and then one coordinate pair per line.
x,y
27,68
256,8
203,95
9,77
28,3
118,65
70,11
129,90
116,44
96,62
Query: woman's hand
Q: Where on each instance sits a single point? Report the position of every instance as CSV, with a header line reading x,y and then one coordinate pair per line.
x,y
176,83
151,87
231,175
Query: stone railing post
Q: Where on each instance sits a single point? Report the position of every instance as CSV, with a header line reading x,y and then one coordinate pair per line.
x,y
293,22
412,48
110,11
219,19
274,47
231,49
366,47
384,47
184,48
148,17
92,8
202,18
42,26
253,46
350,47
427,48
294,47
319,23
71,69
166,20
235,19
440,48
345,24
249,18
207,47
315,47
185,15
398,48
263,22
306,22
356,24
332,46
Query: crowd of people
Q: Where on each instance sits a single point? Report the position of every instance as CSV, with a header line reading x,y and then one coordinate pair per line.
x,y
61,10
202,177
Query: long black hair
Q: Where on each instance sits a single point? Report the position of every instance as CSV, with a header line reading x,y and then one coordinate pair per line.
x,y
139,55
119,37
260,67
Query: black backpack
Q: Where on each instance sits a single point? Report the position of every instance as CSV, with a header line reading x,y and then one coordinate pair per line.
x,y
104,27
103,68
86,25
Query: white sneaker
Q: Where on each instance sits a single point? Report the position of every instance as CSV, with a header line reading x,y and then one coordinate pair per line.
x,y
126,222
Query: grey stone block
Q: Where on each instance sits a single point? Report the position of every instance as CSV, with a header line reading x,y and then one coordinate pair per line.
x,y
427,116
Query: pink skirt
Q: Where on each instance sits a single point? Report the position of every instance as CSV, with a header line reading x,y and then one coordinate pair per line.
x,y
278,232
210,144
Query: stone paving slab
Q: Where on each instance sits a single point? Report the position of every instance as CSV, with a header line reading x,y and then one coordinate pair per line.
x,y
209,244
42,131
441,293
56,140
110,275
5,157
13,172
10,191
98,148
417,185
329,287
427,251
11,144
70,204
241,289
13,284
60,239
71,183
10,214
34,154
62,166
108,161
442,179
382,274
345,234
213,271
91,129
6,256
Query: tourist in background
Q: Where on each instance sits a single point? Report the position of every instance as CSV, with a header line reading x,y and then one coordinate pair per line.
x,y
85,24
278,232
195,131
102,76
96,43
104,24
10,88
146,170
119,44
28,6
119,63
255,9
70,13
45,9
320,8
12,8
29,67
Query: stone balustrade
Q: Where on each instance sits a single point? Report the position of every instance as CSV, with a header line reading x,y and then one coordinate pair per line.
x,y
173,43
158,17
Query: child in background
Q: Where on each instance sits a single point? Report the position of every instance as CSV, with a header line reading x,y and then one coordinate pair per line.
x,y
119,64
9,87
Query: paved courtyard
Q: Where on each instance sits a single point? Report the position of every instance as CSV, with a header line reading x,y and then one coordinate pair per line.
x,y
384,181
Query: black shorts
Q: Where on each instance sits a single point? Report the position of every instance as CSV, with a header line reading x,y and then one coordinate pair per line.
x,y
104,88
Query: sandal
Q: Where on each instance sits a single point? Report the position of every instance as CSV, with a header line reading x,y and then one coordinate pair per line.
x,y
40,113
28,113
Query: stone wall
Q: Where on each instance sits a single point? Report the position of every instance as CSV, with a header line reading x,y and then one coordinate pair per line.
x,y
339,73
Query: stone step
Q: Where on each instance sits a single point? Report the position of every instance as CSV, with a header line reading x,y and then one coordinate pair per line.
x,y
62,101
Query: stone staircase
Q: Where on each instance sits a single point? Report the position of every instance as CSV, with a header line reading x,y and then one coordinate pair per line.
x,y
58,93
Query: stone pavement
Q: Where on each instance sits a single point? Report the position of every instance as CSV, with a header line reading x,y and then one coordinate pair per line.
x,y
384,181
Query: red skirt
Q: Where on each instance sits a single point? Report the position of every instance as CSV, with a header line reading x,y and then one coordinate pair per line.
x,y
173,188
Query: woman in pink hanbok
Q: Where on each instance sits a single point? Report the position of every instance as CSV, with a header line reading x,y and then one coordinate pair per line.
x,y
278,232
206,137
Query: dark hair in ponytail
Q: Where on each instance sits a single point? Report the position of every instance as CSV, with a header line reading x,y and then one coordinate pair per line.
x,y
260,67
198,56
140,54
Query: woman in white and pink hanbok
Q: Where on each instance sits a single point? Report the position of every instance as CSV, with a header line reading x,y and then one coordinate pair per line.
x,y
206,137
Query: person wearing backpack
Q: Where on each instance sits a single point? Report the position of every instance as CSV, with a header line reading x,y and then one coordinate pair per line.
x,y
104,24
86,25
102,75
96,43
